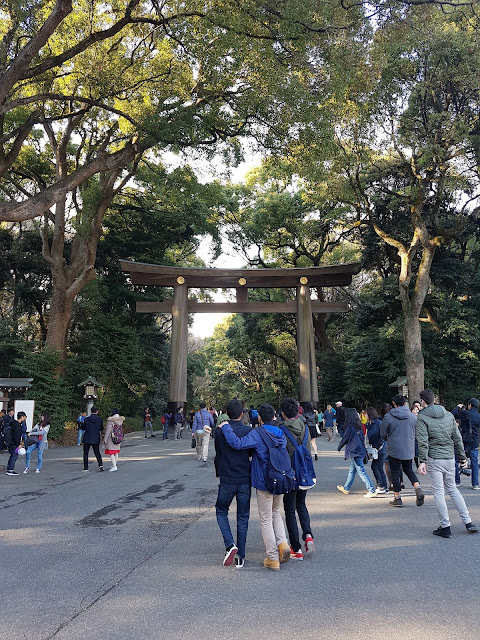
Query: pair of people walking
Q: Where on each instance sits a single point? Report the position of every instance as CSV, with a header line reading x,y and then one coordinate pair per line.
x,y
233,443
93,426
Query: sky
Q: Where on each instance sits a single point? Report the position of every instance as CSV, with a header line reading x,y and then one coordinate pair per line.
x,y
204,323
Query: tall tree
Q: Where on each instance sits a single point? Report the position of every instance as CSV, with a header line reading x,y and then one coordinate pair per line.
x,y
406,160
109,82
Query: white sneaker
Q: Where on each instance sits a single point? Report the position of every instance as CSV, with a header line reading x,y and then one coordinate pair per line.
x,y
37,470
380,490
370,494
27,469
113,469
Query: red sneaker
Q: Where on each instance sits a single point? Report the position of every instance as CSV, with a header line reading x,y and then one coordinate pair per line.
x,y
309,545
296,555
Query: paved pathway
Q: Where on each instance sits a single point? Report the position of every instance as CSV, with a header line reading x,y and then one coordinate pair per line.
x,y
137,555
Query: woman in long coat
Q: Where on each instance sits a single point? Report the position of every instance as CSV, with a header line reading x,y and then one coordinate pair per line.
x,y
111,448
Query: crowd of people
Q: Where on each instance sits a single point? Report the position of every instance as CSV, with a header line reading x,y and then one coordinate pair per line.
x,y
274,452
437,441
91,430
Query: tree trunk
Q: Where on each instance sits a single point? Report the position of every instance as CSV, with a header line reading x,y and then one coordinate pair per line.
x,y
412,304
60,317
412,337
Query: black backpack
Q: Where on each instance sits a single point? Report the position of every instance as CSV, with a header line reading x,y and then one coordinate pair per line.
x,y
7,434
280,477
310,419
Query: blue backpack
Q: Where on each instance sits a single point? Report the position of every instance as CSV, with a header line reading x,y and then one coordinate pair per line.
x,y
302,462
280,477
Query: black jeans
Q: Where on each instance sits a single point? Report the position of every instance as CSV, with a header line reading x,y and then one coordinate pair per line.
x,y
294,501
396,467
12,450
96,451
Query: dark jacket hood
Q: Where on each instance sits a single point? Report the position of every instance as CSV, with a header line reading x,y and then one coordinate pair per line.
x,y
296,426
275,434
434,411
401,413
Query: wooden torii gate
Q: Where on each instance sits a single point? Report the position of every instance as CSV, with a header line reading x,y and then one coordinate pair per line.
x,y
183,278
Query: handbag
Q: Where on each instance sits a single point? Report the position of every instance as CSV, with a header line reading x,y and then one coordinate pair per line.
x,y
31,440
193,444
372,453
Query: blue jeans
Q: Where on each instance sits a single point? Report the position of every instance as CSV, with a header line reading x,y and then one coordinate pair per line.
x,y
165,430
473,453
24,434
378,469
80,436
38,447
226,493
356,466
148,425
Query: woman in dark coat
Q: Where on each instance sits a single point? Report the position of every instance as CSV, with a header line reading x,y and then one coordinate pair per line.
x,y
373,434
353,442
311,421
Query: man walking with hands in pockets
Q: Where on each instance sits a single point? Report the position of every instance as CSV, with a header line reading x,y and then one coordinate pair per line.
x,y
438,442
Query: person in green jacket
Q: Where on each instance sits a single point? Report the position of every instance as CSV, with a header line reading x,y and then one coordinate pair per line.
x,y
438,442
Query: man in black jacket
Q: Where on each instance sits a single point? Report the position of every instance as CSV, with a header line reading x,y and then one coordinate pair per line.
x,y
233,469
7,419
93,425
12,438
469,426
340,417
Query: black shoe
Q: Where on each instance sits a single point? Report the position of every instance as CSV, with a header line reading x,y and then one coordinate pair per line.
x,y
396,502
420,496
145,436
153,436
100,468
230,554
443,532
11,473
471,528
239,562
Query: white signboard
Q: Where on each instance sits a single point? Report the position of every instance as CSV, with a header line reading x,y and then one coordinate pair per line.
x,y
29,407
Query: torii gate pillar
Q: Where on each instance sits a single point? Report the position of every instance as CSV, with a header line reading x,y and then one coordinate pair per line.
x,y
177,388
308,386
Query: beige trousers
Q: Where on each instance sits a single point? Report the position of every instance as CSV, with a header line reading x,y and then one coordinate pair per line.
x,y
329,431
202,439
271,522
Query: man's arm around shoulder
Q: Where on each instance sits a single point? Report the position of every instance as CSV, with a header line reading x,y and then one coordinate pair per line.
x,y
249,441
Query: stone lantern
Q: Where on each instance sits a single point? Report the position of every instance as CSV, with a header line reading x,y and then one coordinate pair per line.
x,y
91,387
399,386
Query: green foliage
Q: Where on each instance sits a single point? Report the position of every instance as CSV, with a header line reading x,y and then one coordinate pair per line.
x,y
50,390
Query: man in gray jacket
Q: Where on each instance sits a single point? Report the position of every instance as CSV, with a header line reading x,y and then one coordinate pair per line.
x,y
438,442
398,430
